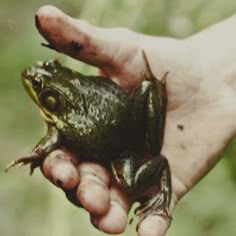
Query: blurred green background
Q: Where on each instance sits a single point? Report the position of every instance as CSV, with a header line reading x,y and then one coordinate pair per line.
x,y
32,206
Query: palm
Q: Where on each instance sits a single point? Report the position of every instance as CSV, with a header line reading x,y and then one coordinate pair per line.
x,y
199,121
196,119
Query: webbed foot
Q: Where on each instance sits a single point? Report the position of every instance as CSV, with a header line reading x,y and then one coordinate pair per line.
x,y
158,204
154,206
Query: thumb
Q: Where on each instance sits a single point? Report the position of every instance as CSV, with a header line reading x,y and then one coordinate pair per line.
x,y
108,49
153,225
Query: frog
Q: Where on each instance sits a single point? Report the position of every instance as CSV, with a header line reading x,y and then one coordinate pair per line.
x,y
99,121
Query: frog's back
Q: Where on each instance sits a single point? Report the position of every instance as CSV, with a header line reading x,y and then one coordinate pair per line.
x,y
96,123
95,87
100,97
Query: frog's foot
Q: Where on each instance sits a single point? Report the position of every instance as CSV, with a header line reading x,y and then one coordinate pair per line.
x,y
164,77
33,160
157,205
148,74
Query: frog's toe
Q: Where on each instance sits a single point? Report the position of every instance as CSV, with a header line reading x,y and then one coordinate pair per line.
x,y
32,160
34,165
164,77
156,205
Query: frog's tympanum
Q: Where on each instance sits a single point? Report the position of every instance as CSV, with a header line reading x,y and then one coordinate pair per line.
x,y
99,121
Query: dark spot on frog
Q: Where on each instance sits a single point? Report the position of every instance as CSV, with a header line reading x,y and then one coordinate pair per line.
x,y
180,127
182,146
59,182
37,22
75,47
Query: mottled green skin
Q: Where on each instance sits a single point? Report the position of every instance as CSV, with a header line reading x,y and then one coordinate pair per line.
x,y
94,114
99,121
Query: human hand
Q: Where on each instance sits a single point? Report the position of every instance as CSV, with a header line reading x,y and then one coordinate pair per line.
x,y
200,117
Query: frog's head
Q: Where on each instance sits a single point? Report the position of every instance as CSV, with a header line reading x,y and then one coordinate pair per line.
x,y
41,83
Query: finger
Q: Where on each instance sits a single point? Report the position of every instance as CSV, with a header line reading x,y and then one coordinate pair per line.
x,y
157,225
59,168
153,225
115,220
115,51
81,40
93,192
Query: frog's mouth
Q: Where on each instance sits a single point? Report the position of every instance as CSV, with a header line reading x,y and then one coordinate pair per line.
x,y
47,116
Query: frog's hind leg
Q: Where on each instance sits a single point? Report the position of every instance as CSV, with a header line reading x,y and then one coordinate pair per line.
x,y
136,180
158,204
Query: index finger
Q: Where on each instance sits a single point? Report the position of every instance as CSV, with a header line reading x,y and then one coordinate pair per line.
x,y
75,37
115,51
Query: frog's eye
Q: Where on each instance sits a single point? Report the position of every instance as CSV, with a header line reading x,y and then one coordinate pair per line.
x,y
37,83
50,100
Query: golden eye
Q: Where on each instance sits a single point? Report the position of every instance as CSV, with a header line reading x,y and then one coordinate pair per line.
x,y
50,100
37,83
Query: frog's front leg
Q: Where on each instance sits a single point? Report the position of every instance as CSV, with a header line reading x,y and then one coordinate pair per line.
x,y
47,144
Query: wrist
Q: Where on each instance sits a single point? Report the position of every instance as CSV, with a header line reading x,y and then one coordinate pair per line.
x,y
215,50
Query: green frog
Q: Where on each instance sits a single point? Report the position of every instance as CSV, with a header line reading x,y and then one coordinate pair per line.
x,y
99,121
